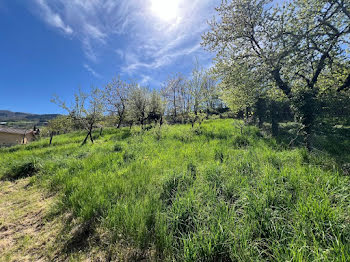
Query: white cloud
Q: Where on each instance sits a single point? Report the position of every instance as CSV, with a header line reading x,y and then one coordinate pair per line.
x,y
120,53
93,72
160,59
95,32
53,18
127,29
145,80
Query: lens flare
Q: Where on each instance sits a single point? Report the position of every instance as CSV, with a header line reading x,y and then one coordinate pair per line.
x,y
167,10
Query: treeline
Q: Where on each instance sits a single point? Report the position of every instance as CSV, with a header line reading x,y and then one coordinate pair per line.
x,y
127,103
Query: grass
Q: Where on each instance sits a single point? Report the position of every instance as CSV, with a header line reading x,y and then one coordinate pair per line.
x,y
202,194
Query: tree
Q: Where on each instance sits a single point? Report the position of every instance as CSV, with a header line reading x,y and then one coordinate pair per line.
x,y
156,107
139,103
293,45
196,88
239,86
59,124
174,93
116,97
211,96
86,110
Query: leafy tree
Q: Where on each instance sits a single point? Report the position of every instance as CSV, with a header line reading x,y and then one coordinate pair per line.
x,y
156,107
293,45
59,124
139,103
239,86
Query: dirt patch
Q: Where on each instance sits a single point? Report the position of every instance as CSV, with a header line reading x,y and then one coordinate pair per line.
x,y
30,230
25,233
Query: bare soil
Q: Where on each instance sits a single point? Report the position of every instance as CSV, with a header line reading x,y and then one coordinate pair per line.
x,y
26,233
30,230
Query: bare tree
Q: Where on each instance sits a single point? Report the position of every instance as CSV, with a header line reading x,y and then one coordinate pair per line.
x,y
86,111
172,90
116,98
210,93
196,88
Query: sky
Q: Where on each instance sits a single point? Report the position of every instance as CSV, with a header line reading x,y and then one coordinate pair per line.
x,y
54,47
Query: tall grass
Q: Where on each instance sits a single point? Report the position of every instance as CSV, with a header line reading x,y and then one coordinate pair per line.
x,y
202,194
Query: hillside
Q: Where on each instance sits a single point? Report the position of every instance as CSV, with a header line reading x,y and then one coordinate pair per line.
x,y
180,194
6,115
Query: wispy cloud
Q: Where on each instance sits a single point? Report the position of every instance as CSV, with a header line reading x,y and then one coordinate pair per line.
x,y
53,18
128,30
145,80
93,72
93,22
160,59
120,53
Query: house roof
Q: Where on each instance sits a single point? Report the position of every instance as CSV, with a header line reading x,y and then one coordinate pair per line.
x,y
15,131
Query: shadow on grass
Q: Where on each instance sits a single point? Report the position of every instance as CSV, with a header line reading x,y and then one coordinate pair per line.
x,y
332,140
22,170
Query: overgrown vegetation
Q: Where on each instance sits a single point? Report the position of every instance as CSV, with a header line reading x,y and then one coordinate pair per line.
x,y
205,189
207,193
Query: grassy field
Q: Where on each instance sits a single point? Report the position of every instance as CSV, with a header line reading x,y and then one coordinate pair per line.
x,y
203,194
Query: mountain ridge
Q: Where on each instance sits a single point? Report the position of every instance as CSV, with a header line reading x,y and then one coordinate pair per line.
x,y
7,115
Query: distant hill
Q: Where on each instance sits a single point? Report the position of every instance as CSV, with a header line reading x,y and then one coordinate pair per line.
x,y
8,116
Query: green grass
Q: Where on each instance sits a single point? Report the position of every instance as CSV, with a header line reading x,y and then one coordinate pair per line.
x,y
202,194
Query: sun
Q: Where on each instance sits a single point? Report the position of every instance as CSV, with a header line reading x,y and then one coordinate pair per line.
x,y
167,10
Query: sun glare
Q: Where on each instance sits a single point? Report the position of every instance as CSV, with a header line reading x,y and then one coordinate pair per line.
x,y
166,10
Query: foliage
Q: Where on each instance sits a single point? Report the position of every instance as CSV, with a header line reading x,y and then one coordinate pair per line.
x,y
61,124
139,103
293,46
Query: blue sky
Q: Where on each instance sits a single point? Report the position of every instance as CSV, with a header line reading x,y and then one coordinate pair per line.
x,y
52,47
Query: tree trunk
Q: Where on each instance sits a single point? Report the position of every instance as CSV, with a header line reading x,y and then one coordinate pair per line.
x,y
142,124
307,111
308,137
260,111
51,137
274,127
85,140
92,140
274,119
101,130
89,134
119,122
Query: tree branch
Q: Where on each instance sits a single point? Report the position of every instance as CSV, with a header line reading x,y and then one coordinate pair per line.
x,y
280,83
346,84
